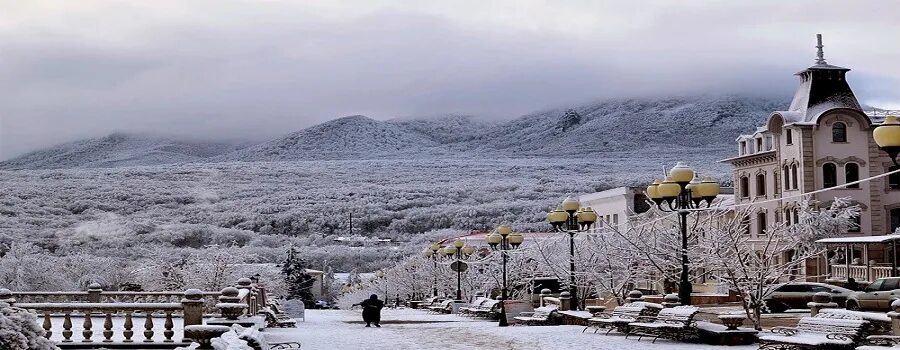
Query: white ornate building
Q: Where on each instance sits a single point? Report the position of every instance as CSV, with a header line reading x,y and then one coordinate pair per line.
x,y
824,139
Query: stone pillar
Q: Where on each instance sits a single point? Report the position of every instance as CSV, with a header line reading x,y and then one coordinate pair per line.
x,y
634,295
821,300
544,293
6,297
565,301
671,300
895,317
192,303
94,291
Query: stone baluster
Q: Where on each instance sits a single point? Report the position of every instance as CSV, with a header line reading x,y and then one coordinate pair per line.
x,y
148,327
87,332
821,300
253,306
168,333
107,327
48,325
193,307
129,324
634,296
94,293
67,327
565,301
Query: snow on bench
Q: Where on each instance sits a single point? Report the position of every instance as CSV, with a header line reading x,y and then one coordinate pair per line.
x,y
540,316
444,307
675,323
469,310
824,331
621,316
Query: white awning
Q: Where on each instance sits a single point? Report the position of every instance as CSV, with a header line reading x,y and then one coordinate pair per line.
x,y
861,239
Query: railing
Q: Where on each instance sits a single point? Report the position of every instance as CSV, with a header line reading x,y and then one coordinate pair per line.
x,y
95,294
861,273
119,318
129,311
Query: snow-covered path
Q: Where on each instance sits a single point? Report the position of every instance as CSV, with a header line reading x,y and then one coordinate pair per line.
x,y
416,329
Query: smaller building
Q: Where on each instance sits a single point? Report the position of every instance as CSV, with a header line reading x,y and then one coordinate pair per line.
x,y
615,205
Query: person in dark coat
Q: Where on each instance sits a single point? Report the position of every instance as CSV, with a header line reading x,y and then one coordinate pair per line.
x,y
372,310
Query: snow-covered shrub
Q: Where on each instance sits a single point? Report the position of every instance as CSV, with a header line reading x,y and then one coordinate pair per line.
x,y
19,330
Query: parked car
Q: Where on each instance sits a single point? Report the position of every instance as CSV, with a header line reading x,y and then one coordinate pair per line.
x,y
877,296
795,295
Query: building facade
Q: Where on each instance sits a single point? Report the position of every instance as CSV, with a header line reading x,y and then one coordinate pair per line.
x,y
823,140
614,206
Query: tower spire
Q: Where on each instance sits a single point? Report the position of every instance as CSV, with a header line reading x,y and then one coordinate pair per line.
x,y
820,55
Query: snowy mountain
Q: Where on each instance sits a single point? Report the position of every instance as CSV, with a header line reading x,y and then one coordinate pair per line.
x,y
628,127
117,150
625,125
342,138
711,122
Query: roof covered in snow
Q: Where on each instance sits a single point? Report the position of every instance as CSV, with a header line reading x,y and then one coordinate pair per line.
x,y
823,87
861,239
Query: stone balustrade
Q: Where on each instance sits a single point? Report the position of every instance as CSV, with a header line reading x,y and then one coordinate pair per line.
x,y
133,312
100,296
145,312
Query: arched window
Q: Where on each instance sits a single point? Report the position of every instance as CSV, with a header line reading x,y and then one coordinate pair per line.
x,y
787,216
829,175
745,224
787,178
745,187
761,184
851,172
839,132
794,177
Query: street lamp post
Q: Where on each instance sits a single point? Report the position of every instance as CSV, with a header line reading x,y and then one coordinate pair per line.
x,y
681,191
458,250
432,253
504,239
571,219
887,136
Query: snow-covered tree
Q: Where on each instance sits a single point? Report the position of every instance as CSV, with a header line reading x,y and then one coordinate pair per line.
x,y
298,282
750,265
19,330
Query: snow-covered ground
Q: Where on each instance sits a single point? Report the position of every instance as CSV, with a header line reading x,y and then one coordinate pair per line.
x,y
416,329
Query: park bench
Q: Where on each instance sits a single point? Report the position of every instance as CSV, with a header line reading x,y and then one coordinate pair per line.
x,y
541,316
470,310
277,320
429,302
257,340
881,342
621,316
487,309
444,307
823,331
676,323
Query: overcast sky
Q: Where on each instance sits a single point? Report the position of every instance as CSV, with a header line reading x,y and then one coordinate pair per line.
x,y
257,69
